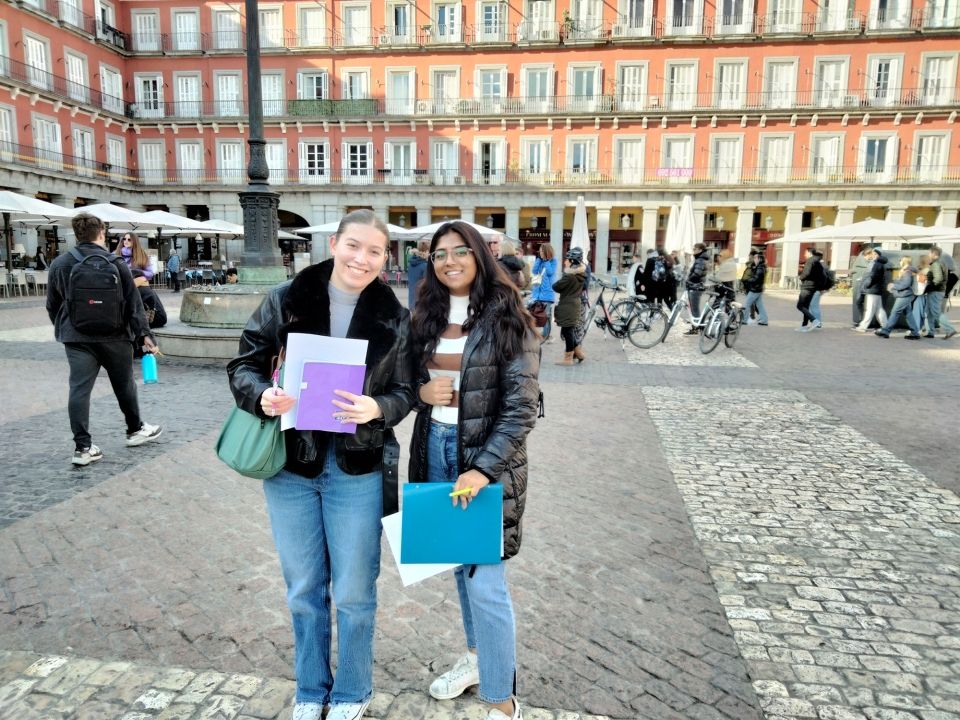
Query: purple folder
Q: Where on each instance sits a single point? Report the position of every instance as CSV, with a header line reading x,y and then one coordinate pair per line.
x,y
315,408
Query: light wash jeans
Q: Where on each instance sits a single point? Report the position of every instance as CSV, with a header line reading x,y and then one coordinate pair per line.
x,y
919,312
901,306
755,298
873,306
815,307
327,531
485,602
936,314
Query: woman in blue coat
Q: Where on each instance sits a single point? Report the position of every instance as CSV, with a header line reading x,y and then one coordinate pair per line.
x,y
546,264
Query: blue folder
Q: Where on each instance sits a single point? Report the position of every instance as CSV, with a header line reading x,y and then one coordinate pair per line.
x,y
436,531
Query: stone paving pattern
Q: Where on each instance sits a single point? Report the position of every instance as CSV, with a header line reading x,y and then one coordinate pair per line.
x,y
160,557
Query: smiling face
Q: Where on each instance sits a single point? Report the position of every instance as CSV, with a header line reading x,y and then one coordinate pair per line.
x,y
455,273
358,256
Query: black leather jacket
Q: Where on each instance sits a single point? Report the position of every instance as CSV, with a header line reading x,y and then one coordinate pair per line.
x,y
303,306
754,277
498,408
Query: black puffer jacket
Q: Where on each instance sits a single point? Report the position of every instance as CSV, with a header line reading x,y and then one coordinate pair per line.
x,y
303,306
811,277
873,279
754,277
498,408
698,271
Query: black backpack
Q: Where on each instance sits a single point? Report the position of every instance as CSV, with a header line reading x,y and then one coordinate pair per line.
x,y
95,295
828,278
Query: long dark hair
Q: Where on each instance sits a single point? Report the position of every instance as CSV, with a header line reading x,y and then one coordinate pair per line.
x,y
491,289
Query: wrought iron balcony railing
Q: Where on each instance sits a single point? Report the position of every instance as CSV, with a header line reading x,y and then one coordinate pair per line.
x,y
58,86
49,160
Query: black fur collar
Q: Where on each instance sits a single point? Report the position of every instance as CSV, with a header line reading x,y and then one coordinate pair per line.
x,y
306,309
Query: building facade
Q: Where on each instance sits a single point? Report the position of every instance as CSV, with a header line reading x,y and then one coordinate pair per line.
x,y
774,115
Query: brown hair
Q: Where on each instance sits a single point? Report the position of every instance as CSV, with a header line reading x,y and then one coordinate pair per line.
x,y
86,227
507,248
139,260
364,217
546,251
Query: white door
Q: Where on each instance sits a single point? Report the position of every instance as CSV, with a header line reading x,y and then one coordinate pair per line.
x,y
878,158
38,69
827,159
190,162
271,93
780,85
448,23
76,78
731,78
942,13
227,29
537,89
83,155
70,12
151,163
312,33
783,16
46,138
400,30
356,25
684,17
186,31
492,22
149,97
584,83
831,83
228,95
681,82
629,154
446,168
928,162
727,160
939,75
357,159
891,14
271,28
188,96
116,157
488,165
631,86
111,87
882,81
146,33
446,92
635,19
536,159
776,159
6,134
541,23
400,162
400,93
230,162
276,162
833,15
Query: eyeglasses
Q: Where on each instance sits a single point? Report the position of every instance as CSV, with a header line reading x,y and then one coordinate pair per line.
x,y
439,256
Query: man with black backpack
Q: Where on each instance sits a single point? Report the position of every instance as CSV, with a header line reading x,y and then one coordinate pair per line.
x,y
97,314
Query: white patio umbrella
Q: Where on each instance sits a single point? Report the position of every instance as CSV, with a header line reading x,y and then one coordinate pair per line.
x,y
176,223
671,241
426,231
120,218
331,227
222,227
580,235
23,207
684,234
870,231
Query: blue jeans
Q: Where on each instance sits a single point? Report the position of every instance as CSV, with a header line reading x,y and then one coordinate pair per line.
x,y
755,298
327,531
935,314
901,306
919,312
485,602
815,307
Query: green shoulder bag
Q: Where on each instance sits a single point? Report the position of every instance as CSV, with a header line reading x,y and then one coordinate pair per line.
x,y
251,445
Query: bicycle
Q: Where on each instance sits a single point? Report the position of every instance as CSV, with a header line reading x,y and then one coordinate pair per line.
x,y
634,319
683,303
721,320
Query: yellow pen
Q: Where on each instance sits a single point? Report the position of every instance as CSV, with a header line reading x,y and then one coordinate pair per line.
x,y
458,493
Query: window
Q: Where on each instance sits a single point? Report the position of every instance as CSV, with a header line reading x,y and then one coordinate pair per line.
x,y
731,88
399,159
356,25
587,20
399,25
116,156
537,88
942,13
7,140
228,95
783,16
447,23
146,31
491,88
271,93
47,143
736,16
585,86
186,30
581,158
152,165
76,67
271,28
356,84
4,49
37,58
776,158
930,156
878,158
314,163
831,83
883,80
684,17
489,165
186,96
833,16
276,156
629,154
400,84
780,83
357,162
635,19
226,30
313,85
190,162
71,13
111,85
444,162
726,159
938,79
676,159
493,25
826,158
631,86
149,96
446,92
313,26
681,85
83,155
889,14
535,154
540,23
230,161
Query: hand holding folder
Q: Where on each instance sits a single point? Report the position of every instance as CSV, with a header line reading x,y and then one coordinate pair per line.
x,y
436,531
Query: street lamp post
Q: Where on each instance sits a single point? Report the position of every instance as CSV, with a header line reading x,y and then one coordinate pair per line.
x,y
261,263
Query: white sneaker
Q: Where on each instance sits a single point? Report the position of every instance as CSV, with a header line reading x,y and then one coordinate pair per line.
x,y
347,711
802,328
818,325
307,711
751,321
87,455
146,433
452,683
496,714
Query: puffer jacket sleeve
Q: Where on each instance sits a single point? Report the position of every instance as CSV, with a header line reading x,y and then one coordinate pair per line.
x,y
400,396
249,371
519,400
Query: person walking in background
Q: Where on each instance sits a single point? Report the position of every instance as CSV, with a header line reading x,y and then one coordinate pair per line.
x,y
821,289
935,296
173,267
416,268
41,259
479,361
569,288
809,282
695,283
91,343
753,279
902,289
544,275
873,284
656,279
919,311
515,267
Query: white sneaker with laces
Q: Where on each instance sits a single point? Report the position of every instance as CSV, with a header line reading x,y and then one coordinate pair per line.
x,y
452,683
87,455
497,714
307,711
347,711
146,433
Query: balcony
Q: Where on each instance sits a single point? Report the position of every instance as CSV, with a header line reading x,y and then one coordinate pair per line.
x,y
44,6
626,27
489,33
112,36
333,108
584,29
71,14
531,31
58,86
47,160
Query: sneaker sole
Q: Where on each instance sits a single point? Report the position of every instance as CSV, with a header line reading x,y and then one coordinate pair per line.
x,y
82,463
451,696
137,441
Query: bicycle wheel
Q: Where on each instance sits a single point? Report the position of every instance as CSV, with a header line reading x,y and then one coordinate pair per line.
x,y
647,327
621,311
710,332
733,330
586,322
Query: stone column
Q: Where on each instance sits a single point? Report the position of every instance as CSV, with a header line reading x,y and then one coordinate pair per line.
x,y
556,231
743,234
840,257
424,215
468,214
895,213
648,228
599,263
791,251
513,226
947,218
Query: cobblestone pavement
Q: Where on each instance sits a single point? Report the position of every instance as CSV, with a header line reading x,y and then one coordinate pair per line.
x,y
161,558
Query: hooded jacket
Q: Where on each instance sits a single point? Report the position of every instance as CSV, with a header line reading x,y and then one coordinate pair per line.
x,y
754,277
498,402
903,285
698,271
303,306
569,287
544,291
811,275
874,277
416,269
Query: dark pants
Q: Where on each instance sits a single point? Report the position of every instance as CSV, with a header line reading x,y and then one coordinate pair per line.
x,y
569,335
85,360
694,297
175,279
803,305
